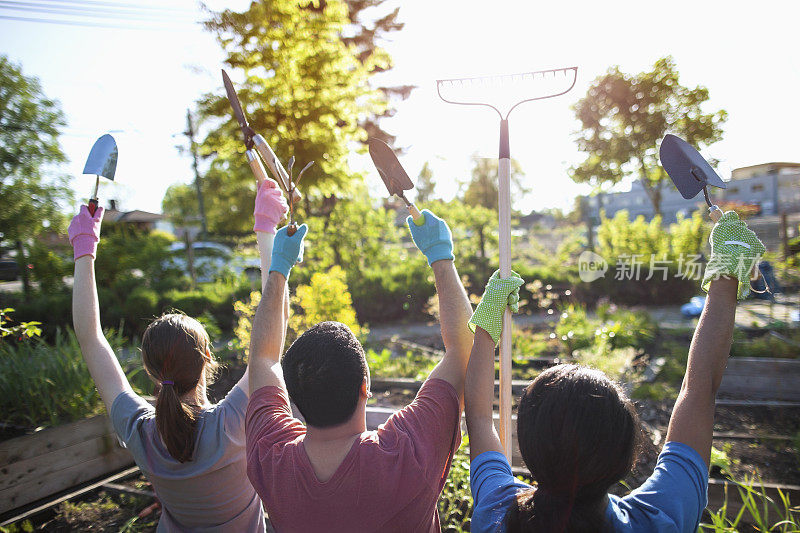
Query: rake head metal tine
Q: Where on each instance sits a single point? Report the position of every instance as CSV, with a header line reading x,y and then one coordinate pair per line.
x,y
291,165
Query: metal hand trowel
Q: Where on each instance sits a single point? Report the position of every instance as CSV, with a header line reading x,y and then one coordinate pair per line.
x,y
102,161
689,171
393,175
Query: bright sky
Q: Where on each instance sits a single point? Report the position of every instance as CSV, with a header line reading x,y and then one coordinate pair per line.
x,y
137,83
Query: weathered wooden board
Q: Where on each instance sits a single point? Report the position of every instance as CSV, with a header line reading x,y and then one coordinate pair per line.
x,y
761,379
53,460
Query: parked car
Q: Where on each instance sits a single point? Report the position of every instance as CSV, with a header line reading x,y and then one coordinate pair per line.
x,y
9,269
212,261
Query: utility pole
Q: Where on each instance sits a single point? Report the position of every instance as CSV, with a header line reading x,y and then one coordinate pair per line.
x,y
193,147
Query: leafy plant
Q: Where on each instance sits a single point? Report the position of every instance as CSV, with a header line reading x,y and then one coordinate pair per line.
x,y
45,385
455,502
21,330
412,364
759,512
326,297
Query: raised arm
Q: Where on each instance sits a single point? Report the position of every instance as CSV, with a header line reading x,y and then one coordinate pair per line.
x,y
270,208
479,390
110,380
434,239
269,324
734,252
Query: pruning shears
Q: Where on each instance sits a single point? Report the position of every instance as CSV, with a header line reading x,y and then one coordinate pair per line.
x,y
257,149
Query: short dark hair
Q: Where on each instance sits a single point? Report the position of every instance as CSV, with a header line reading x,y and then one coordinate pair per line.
x,y
324,369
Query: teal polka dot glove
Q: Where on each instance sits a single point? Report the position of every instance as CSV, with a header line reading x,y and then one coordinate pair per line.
x,y
735,250
432,237
499,293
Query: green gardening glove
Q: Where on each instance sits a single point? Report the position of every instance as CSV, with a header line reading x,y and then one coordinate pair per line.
x,y
735,250
499,293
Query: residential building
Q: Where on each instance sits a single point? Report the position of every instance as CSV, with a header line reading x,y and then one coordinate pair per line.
x,y
774,188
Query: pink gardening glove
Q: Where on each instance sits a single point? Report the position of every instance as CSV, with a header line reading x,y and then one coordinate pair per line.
x,y
84,232
271,207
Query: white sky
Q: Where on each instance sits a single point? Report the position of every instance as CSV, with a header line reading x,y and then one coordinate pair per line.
x,y
138,83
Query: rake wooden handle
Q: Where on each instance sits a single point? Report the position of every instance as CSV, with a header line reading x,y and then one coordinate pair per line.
x,y
714,213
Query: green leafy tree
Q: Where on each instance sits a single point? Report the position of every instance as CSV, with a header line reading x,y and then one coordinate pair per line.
x,y
425,184
625,116
475,236
481,189
363,35
180,204
29,193
304,88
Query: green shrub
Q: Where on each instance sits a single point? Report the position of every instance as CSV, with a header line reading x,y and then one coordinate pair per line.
x,y
617,328
53,310
326,297
49,268
413,364
140,305
45,384
399,292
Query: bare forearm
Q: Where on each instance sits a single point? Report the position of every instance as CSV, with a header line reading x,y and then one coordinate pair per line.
x,y
479,396
100,359
692,421
264,241
454,309
85,306
711,343
267,334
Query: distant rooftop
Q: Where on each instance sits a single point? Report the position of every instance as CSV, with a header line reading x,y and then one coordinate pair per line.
x,y
131,216
764,168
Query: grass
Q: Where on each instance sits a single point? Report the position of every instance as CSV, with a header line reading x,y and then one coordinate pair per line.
x,y
45,384
759,512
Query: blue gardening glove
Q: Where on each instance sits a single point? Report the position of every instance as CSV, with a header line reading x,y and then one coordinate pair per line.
x,y
735,250
499,293
286,251
433,237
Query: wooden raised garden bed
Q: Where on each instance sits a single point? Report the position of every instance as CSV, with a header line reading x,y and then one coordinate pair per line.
x,y
53,460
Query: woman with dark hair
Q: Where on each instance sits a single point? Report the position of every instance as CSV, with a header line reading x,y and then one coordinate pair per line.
x,y
578,432
192,451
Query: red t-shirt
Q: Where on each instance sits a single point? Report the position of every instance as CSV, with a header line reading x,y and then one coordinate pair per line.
x,y
389,481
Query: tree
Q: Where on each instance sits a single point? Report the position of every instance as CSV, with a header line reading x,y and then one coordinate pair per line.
x,y
364,38
29,129
481,189
180,205
425,184
624,118
305,89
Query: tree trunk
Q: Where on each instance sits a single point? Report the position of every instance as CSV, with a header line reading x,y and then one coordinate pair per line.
x,y
22,263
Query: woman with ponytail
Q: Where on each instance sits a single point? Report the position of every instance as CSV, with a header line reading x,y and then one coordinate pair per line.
x,y
578,432
192,451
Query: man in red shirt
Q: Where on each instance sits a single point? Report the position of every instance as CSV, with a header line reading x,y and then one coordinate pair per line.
x,y
334,475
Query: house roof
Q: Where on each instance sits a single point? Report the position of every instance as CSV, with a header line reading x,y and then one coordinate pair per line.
x,y
132,216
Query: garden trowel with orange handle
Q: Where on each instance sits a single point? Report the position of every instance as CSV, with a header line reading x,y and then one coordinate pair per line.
x,y
393,175
102,162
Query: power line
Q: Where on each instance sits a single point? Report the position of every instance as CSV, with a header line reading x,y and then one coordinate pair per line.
x,y
98,13
114,4
87,24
